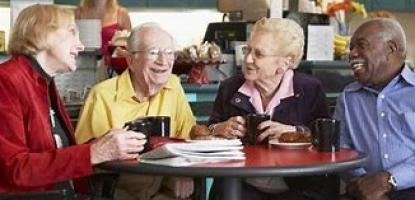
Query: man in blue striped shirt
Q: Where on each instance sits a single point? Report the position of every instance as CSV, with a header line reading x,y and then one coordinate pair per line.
x,y
377,113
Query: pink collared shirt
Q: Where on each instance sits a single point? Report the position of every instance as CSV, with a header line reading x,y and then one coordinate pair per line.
x,y
285,90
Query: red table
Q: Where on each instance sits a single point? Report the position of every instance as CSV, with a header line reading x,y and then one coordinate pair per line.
x,y
261,161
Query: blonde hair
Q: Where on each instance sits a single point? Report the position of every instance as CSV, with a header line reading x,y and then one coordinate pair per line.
x,y
287,34
31,31
90,4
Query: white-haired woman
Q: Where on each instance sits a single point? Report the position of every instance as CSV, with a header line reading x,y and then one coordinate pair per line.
x,y
269,85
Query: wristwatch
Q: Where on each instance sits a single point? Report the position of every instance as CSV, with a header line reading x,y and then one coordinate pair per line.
x,y
392,182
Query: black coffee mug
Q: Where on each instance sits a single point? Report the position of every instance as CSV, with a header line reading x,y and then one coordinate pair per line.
x,y
141,125
160,125
326,134
252,122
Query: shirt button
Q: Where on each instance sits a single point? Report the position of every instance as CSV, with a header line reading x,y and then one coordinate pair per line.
x,y
384,135
382,96
382,114
386,156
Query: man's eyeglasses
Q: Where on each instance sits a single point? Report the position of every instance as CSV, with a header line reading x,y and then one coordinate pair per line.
x,y
154,53
255,53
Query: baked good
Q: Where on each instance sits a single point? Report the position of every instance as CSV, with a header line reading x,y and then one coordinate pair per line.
x,y
295,137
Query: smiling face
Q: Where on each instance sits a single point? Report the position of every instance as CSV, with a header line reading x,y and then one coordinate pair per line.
x,y
263,61
64,46
152,62
372,55
49,33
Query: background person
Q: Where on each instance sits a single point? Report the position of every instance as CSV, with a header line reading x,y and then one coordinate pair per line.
x,y
147,88
270,85
377,113
113,18
37,145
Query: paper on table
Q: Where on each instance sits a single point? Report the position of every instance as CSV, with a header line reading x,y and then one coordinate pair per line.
x,y
320,42
182,161
207,149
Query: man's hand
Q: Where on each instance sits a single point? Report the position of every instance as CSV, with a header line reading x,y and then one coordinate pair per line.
x,y
233,128
117,144
372,186
182,187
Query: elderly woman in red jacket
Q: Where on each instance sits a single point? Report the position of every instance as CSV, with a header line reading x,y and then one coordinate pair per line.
x,y
37,146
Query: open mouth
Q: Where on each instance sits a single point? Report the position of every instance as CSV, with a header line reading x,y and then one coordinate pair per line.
x,y
357,64
159,71
250,68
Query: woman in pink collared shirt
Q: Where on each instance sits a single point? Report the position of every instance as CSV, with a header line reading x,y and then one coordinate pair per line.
x,y
270,85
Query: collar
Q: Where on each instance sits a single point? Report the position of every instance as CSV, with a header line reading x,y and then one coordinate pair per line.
x,y
285,90
241,101
406,75
38,68
125,87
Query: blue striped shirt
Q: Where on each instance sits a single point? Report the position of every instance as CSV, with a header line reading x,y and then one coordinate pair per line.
x,y
381,124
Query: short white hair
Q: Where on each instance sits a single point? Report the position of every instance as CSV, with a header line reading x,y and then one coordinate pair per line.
x,y
391,30
134,40
287,33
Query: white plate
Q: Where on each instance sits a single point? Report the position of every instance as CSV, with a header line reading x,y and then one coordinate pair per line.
x,y
286,145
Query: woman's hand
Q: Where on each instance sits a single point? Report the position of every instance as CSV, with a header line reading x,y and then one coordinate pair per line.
x,y
117,144
233,128
273,129
199,131
182,187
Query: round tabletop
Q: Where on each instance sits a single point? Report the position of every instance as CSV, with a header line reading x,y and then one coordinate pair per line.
x,y
260,161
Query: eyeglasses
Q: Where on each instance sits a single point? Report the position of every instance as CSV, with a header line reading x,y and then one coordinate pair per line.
x,y
154,53
256,53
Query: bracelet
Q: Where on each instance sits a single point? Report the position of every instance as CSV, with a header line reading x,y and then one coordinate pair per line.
x,y
211,128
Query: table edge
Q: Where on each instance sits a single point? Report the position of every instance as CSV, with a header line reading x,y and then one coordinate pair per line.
x,y
313,169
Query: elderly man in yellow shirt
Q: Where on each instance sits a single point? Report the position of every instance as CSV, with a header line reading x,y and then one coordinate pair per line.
x,y
147,88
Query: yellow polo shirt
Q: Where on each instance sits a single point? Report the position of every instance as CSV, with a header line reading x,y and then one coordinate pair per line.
x,y
111,103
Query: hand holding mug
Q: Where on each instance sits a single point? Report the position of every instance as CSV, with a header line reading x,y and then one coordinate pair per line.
x,y
253,121
117,144
232,128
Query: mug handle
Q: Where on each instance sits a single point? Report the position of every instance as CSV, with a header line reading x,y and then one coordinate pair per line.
x,y
314,134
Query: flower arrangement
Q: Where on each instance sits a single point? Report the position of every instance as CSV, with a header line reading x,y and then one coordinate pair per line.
x,y
342,12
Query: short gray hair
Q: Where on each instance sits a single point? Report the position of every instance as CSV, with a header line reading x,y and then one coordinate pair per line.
x,y
391,30
134,39
289,35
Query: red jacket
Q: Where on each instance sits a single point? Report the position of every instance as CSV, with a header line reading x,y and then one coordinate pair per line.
x,y
29,159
